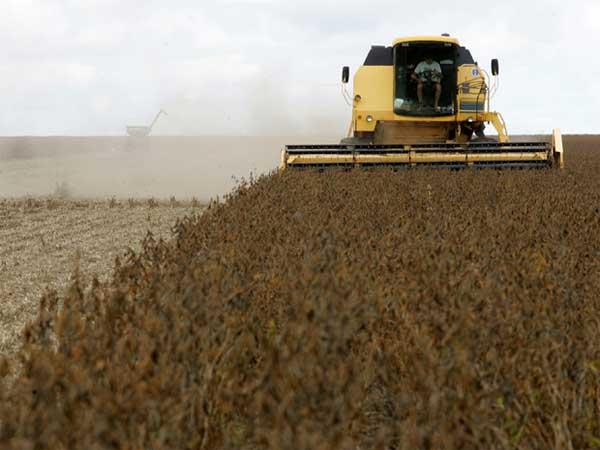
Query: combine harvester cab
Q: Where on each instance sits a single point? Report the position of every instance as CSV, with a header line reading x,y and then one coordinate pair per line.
x,y
424,101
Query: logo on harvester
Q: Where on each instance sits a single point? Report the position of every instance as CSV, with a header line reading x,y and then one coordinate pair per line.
x,y
475,73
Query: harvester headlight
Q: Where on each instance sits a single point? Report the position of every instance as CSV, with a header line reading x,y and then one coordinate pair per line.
x,y
369,119
470,120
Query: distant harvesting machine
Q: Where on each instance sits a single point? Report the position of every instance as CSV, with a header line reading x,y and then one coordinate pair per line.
x,y
424,101
144,131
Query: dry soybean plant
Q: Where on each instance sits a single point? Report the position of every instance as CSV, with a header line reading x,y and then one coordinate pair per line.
x,y
376,310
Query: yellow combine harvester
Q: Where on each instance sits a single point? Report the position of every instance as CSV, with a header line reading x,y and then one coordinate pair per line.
x,y
424,101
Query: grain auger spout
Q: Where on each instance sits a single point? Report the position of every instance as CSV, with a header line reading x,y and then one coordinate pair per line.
x,y
424,101
144,131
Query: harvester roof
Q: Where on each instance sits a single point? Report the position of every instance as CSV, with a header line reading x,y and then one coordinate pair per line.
x,y
441,39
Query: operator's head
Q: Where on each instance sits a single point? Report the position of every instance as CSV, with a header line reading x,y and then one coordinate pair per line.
x,y
429,59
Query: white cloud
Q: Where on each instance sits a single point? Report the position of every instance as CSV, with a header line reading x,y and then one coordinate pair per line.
x,y
243,66
28,20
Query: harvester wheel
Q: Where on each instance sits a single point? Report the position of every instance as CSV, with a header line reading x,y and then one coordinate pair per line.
x,y
480,132
480,135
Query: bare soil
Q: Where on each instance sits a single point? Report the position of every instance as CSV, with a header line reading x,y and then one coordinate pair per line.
x,y
42,242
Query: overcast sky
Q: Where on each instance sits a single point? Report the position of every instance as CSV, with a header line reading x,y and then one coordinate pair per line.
x,y
91,67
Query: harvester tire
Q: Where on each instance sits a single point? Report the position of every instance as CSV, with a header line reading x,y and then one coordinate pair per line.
x,y
480,132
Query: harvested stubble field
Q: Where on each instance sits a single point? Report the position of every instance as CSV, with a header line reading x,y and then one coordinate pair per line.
x,y
43,240
361,310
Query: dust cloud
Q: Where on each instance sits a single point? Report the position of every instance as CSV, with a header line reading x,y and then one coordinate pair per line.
x,y
195,151
269,103
160,167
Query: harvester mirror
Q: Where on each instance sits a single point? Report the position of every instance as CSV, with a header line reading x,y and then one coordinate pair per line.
x,y
345,74
495,67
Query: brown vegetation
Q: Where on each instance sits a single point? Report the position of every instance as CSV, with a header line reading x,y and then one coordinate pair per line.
x,y
42,240
406,310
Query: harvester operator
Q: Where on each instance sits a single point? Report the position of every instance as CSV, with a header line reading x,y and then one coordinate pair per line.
x,y
428,72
